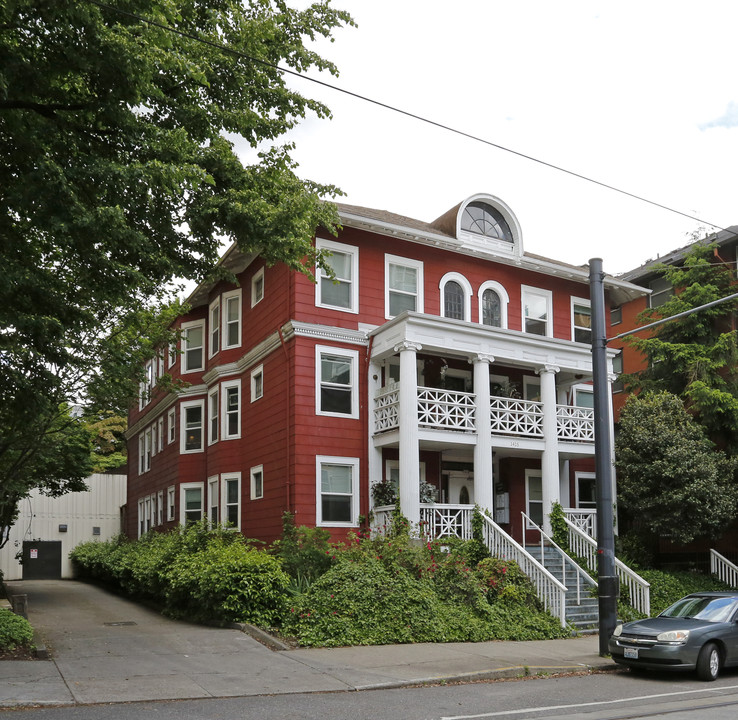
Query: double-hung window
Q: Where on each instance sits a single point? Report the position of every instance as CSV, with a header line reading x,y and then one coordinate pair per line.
x,y
213,416
193,335
581,320
337,490
403,285
340,292
172,425
170,503
231,499
191,422
232,319
455,296
214,327
213,496
231,391
257,482
191,502
537,314
493,300
534,496
257,287
257,383
336,380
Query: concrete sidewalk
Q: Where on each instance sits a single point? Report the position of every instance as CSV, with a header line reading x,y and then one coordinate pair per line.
x,y
106,649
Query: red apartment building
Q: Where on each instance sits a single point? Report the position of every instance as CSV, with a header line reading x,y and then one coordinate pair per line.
x,y
442,352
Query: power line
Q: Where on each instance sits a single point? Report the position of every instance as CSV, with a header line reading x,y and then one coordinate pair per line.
x,y
406,113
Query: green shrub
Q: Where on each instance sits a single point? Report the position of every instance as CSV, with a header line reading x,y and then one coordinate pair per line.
x,y
15,631
306,553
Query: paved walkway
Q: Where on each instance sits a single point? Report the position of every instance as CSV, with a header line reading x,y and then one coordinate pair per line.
x,y
107,649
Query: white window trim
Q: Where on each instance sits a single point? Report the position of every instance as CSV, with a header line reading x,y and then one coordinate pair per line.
x,y
172,426
254,470
504,300
185,327
213,436
224,318
148,438
353,252
531,380
160,433
407,262
172,354
353,356
141,517
214,328
577,476
548,296
528,475
224,387
466,288
213,500
583,388
224,477
187,486
170,503
183,426
258,275
586,303
259,370
141,454
321,460
160,507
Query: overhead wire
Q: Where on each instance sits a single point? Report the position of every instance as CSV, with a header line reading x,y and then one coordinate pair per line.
x,y
406,113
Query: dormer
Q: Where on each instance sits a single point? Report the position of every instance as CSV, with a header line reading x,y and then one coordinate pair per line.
x,y
483,222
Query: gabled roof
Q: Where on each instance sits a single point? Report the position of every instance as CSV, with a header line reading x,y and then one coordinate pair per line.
x,y
650,267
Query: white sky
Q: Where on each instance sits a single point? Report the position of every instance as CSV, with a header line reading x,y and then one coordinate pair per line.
x,y
639,95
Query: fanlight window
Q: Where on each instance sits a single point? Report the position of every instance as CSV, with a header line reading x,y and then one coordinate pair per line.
x,y
482,219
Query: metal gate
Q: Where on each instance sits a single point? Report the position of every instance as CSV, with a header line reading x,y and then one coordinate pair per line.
x,y
42,560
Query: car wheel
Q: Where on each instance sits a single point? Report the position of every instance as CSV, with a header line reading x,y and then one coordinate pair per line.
x,y
708,662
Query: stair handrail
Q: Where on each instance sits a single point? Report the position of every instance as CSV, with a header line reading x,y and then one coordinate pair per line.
x,y
723,569
529,524
584,546
502,545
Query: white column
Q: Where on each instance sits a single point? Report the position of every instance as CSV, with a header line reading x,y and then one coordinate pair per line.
x,y
484,495
376,471
409,442
550,457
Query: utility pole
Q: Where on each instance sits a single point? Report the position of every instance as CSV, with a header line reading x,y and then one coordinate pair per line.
x,y
608,589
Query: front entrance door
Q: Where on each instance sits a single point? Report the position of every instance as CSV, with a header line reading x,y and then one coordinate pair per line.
x,y
42,560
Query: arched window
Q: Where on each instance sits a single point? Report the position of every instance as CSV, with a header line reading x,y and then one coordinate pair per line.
x,y
455,293
453,301
491,308
493,300
483,219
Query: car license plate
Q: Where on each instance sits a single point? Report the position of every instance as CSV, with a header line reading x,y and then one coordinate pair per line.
x,y
631,653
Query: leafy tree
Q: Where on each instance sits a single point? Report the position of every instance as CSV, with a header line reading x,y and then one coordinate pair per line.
x,y
696,357
672,481
118,174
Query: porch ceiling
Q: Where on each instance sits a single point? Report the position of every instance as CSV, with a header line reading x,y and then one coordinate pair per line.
x,y
456,338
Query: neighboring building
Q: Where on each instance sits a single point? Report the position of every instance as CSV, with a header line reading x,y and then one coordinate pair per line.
x,y
650,277
48,529
441,352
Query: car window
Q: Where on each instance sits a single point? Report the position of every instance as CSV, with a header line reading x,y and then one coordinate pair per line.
x,y
703,608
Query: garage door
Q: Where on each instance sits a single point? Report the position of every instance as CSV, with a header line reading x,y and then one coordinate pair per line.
x,y
42,560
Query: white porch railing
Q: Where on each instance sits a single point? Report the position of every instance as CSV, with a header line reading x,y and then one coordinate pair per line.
x,y
516,417
446,409
723,569
575,424
453,410
387,408
584,546
444,520
584,518
563,558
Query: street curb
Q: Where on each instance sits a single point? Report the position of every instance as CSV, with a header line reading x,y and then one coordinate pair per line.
x,y
513,672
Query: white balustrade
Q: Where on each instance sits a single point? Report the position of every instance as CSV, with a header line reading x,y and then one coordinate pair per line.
x,y
387,408
511,416
723,569
446,409
584,518
575,424
584,546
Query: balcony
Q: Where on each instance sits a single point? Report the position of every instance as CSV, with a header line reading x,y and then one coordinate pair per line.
x,y
455,411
